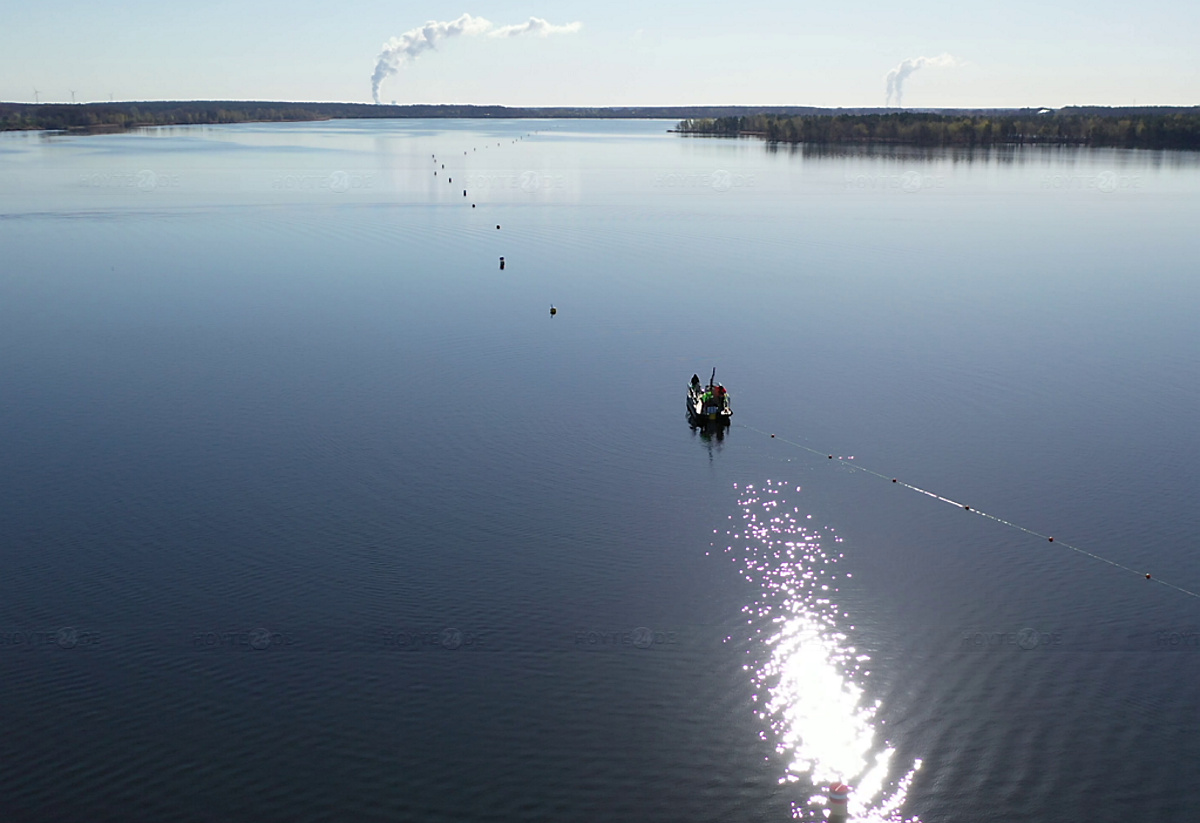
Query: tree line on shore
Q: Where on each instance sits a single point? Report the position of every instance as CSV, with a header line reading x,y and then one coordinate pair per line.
x,y
1146,127
1120,128
119,116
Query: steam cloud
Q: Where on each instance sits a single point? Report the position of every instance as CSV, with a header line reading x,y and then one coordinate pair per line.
x,y
410,45
897,76
535,25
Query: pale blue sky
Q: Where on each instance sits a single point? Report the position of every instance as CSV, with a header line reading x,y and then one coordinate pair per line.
x,y
1014,53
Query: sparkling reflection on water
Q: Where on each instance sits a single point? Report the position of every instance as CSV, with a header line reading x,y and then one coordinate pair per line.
x,y
808,676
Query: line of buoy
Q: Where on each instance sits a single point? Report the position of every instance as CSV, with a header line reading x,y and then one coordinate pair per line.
x,y
850,462
553,309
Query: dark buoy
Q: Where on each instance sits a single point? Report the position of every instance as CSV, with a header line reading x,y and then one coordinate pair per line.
x,y
450,179
968,508
893,480
772,435
497,225
472,205
443,165
831,457
464,192
1147,575
1051,539
501,264
553,311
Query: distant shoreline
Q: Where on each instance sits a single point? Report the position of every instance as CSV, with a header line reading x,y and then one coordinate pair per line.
x,y
115,117
1134,127
1085,127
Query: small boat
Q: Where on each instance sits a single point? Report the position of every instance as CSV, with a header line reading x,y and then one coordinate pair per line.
x,y
708,405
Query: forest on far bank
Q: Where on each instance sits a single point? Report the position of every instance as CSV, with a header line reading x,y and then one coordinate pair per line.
x,y
1096,127
1146,127
107,117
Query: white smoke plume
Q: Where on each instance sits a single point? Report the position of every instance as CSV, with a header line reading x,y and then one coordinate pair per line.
x,y
535,25
408,46
897,76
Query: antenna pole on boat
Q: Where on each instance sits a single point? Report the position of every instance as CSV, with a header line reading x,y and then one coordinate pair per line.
x,y
712,380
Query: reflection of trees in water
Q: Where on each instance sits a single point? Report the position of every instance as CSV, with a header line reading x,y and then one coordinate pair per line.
x,y
1006,154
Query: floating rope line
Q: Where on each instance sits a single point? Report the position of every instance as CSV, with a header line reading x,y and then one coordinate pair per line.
x,y
855,465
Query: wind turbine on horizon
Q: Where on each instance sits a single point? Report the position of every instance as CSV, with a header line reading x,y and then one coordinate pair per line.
x,y
72,97
36,99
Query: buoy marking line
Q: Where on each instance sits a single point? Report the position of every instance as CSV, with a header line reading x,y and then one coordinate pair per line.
x,y
855,465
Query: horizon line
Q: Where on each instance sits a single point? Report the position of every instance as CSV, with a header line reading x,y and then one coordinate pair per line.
x,y
610,107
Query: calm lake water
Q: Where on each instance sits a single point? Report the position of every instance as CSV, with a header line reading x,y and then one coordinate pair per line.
x,y
308,511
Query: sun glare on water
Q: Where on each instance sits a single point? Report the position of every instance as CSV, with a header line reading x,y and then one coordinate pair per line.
x,y
808,676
